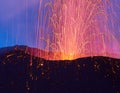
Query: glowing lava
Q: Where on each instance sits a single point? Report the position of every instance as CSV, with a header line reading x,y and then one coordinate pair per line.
x,y
70,29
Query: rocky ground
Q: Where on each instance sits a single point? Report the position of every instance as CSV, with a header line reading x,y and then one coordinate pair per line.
x,y
22,73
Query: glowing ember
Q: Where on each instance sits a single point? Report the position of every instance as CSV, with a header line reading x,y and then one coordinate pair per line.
x,y
69,29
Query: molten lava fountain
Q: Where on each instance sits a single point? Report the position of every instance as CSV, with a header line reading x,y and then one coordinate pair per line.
x,y
70,29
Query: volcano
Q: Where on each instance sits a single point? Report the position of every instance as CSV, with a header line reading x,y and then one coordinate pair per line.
x,y
21,72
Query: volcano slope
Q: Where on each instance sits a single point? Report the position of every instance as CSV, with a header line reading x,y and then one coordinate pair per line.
x,y
22,73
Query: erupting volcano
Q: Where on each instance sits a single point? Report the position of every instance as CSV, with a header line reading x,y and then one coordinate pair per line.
x,y
59,46
63,29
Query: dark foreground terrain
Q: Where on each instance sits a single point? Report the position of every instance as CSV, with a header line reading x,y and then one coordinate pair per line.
x,y
22,73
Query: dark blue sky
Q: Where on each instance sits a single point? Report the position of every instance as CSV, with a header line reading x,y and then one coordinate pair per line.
x,y
17,22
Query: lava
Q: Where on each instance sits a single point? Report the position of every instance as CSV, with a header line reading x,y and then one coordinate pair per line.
x,y
74,29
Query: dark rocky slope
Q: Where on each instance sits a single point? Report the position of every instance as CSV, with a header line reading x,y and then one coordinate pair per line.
x,y
22,73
